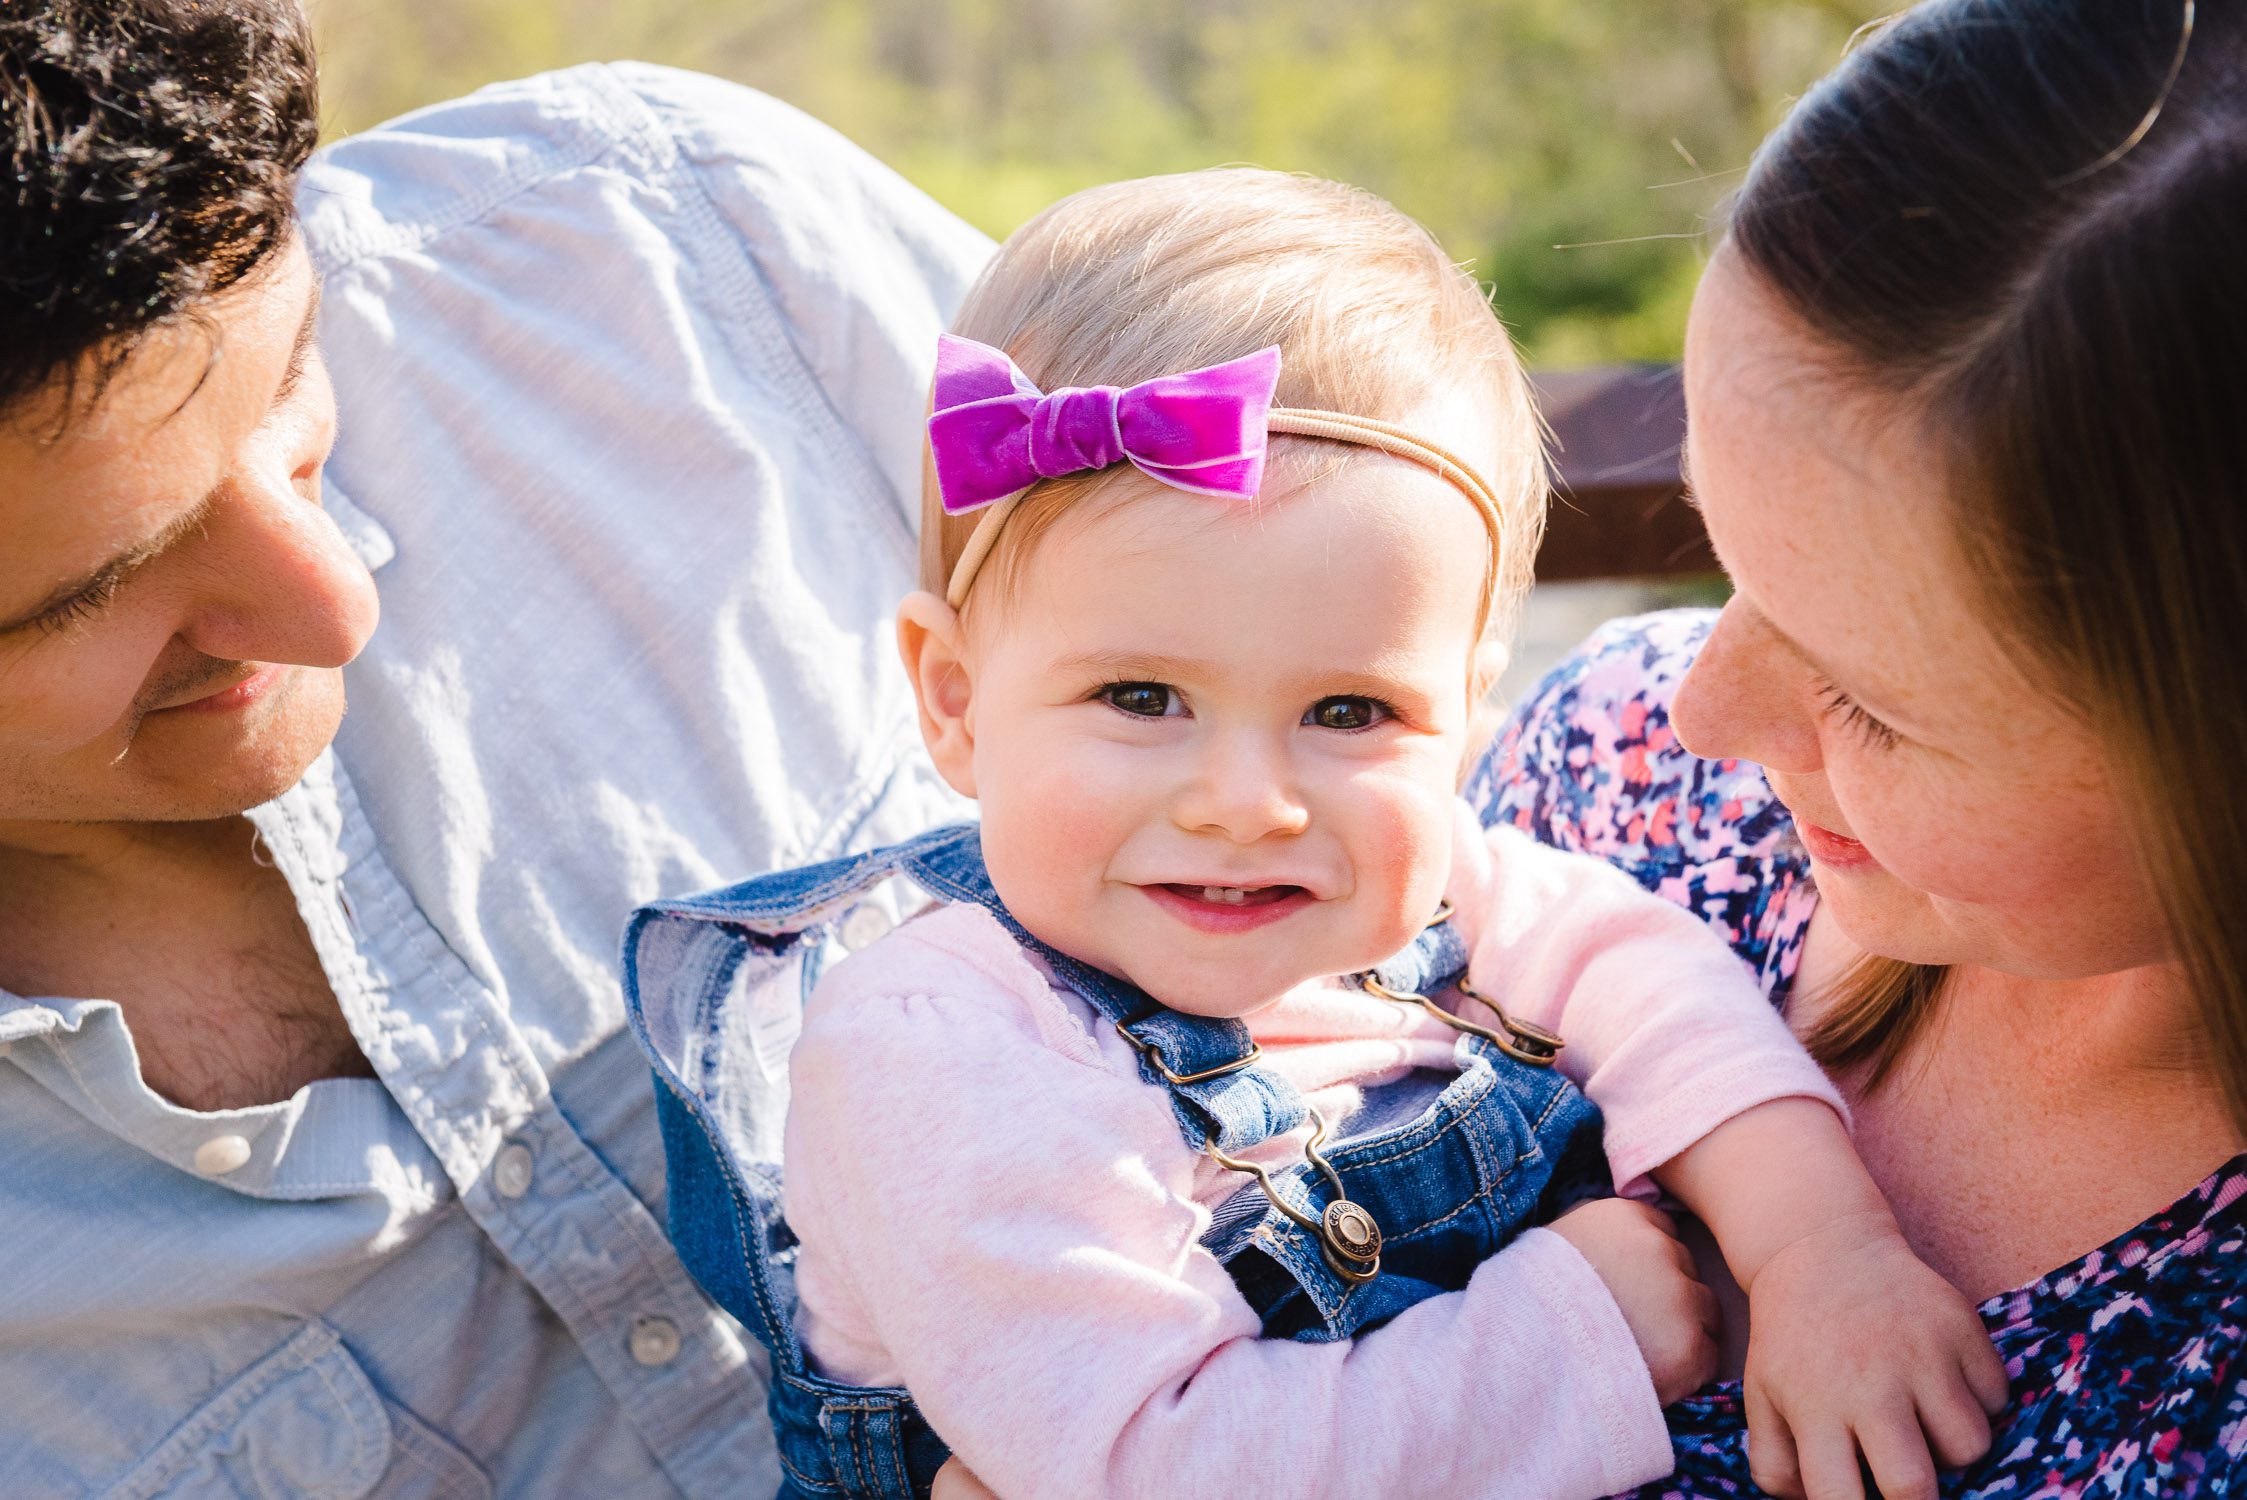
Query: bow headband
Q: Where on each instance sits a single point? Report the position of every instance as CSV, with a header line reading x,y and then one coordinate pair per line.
x,y
993,435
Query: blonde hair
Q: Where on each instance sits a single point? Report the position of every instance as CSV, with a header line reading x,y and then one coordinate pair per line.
x,y
1122,283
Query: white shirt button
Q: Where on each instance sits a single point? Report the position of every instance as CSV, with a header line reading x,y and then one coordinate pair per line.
x,y
222,1154
511,1173
654,1341
862,924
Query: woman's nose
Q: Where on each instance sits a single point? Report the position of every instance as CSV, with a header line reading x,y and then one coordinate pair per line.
x,y
280,582
1243,788
1743,698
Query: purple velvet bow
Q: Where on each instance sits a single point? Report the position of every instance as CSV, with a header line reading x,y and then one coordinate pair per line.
x,y
992,432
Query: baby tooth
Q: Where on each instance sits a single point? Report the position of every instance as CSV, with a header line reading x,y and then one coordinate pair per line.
x,y
1224,894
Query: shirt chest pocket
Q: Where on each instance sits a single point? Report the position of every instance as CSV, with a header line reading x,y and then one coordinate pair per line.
x,y
303,1423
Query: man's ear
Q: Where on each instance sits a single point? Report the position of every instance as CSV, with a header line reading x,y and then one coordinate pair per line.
x,y
931,643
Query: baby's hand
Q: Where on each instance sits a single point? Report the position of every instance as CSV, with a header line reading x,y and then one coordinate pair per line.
x,y
1649,1272
1856,1347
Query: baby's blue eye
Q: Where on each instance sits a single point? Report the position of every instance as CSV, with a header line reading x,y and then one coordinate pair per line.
x,y
1147,700
1346,713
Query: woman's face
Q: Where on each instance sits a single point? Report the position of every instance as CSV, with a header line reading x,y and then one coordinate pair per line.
x,y
1955,812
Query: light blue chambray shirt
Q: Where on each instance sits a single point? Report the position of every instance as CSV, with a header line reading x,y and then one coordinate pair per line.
x,y
631,365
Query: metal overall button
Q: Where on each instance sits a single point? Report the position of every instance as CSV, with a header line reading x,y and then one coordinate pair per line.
x,y
1348,1235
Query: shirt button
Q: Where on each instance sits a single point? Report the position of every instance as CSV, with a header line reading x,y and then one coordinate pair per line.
x,y
222,1154
654,1341
511,1173
862,924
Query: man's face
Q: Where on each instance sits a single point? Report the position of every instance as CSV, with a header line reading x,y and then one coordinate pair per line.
x,y
175,607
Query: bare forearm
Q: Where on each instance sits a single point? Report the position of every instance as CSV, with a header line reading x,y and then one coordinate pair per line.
x,y
1776,1175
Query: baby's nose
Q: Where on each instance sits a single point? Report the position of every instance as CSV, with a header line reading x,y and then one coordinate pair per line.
x,y
1246,791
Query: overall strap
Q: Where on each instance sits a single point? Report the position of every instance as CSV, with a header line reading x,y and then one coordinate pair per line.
x,y
1206,1064
1429,963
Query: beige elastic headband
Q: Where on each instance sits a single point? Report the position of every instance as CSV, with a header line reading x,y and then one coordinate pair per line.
x,y
1340,427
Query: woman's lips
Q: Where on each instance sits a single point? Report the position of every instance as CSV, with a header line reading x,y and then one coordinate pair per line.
x,y
235,695
1258,906
1834,850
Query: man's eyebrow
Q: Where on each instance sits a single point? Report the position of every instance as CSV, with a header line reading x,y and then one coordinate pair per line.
x,y
192,519
300,353
116,568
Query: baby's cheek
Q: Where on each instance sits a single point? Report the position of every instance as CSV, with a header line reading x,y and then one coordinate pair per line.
x,y
1406,850
1052,816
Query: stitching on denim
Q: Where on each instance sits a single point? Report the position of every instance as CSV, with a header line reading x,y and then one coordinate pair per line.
x,y
825,1486
1480,1088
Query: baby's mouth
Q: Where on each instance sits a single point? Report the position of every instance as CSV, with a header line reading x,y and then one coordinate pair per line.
x,y
1233,895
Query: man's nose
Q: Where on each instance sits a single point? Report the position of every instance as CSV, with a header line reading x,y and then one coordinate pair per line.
x,y
1244,786
280,583
1744,698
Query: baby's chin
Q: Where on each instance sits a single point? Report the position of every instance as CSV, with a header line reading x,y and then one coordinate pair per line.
x,y
1226,991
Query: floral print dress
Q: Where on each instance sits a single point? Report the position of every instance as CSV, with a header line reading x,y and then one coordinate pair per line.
x,y
2129,1366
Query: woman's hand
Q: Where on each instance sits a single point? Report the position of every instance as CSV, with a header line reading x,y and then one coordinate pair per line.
x,y
954,1482
1856,1348
1649,1272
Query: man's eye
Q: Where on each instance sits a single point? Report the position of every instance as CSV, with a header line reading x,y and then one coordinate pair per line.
x,y
77,610
1347,713
1147,700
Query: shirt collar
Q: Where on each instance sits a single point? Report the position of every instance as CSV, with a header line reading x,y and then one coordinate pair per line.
x,y
366,536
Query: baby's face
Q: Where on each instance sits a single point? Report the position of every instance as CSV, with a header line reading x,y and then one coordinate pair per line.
x,y
1216,745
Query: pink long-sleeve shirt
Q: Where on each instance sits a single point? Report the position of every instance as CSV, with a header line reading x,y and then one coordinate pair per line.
x,y
998,1213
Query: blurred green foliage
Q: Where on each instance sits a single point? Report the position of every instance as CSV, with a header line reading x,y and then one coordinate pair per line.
x,y
1571,150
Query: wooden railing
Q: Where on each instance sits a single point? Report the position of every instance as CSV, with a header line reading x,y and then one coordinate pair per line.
x,y
1618,509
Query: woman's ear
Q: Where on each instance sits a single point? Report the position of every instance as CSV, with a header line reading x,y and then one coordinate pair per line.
x,y
931,643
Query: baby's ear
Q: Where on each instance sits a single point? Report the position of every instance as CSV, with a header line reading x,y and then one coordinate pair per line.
x,y
932,645
1491,659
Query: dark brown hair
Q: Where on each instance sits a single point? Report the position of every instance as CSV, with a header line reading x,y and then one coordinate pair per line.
x,y
152,150
2028,219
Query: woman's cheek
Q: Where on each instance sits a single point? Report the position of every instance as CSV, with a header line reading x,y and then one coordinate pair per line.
x,y
2002,860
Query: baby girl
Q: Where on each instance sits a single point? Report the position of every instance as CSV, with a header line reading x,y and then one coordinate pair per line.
x,y
1194,1139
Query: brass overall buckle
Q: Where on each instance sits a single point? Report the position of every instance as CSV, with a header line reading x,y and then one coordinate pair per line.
x,y
1524,1041
1153,1052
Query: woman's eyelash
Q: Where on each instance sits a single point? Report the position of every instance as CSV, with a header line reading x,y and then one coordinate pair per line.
x,y
1837,702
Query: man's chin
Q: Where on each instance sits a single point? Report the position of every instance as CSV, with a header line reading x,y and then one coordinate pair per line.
x,y
264,761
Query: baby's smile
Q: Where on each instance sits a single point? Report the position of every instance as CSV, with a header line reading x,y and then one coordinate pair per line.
x,y
1217,743
1229,908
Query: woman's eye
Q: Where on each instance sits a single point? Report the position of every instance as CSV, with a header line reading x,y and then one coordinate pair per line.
x,y
1146,700
1346,713
1838,704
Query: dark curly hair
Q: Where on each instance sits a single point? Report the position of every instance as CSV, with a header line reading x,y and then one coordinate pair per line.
x,y
152,152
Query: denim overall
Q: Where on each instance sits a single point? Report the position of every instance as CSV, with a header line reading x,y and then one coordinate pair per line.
x,y
1445,1167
